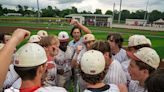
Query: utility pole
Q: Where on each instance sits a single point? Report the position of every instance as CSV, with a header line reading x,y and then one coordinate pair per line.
x,y
38,9
113,10
146,14
120,12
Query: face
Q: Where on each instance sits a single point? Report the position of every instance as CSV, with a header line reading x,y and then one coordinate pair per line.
x,y
112,43
89,44
53,49
76,34
134,71
63,46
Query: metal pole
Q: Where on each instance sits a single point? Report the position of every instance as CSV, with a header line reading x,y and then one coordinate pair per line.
x,y
38,9
120,12
146,14
113,10
146,10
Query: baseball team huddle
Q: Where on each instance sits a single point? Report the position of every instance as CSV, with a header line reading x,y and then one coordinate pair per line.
x,y
48,63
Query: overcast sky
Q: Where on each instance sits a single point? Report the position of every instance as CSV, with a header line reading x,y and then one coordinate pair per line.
x,y
89,5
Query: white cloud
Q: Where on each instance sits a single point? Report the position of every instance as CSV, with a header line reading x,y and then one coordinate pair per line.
x,y
88,5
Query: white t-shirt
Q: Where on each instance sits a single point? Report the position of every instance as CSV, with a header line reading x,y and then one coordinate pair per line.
x,y
109,88
51,89
135,87
41,89
11,77
115,74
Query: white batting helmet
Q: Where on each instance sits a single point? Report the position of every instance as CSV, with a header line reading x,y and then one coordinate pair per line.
x,y
63,36
92,62
146,55
135,40
88,37
29,55
42,33
34,38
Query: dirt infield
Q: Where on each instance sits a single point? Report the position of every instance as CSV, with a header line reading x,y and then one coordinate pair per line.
x,y
11,29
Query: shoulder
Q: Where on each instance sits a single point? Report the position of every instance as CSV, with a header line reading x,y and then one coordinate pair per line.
x,y
51,89
11,89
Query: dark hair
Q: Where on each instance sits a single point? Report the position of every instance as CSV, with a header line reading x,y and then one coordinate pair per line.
x,y
154,83
143,65
74,29
93,79
2,37
26,73
140,46
117,38
102,46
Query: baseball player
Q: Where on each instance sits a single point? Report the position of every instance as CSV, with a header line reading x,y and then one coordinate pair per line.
x,y
63,61
77,43
30,64
88,41
6,52
143,62
115,73
51,46
135,42
115,40
11,76
92,67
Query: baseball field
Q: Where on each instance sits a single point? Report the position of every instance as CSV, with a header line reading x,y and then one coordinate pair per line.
x,y
53,28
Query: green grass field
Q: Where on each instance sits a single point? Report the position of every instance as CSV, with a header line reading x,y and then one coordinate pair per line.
x,y
157,38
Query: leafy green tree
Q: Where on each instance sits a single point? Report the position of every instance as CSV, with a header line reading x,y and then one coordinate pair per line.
x,y
20,9
1,10
98,11
47,12
155,15
125,14
108,12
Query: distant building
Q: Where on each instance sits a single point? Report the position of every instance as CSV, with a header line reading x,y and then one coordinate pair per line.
x,y
159,23
136,22
13,14
93,19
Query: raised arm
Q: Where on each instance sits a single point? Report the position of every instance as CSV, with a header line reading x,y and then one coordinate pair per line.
x,y
82,27
7,51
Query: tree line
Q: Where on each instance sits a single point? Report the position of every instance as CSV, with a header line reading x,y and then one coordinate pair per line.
x,y
49,11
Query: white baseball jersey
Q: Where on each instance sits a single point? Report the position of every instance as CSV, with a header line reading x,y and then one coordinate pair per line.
x,y
81,54
51,74
115,74
63,60
11,77
41,89
135,87
120,56
106,88
17,84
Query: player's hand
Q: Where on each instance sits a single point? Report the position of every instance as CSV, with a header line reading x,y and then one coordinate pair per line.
x,y
19,35
74,22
